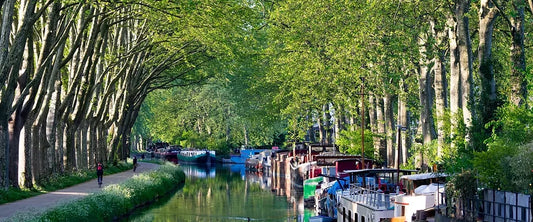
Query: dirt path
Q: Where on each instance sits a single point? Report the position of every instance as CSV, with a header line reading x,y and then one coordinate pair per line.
x,y
49,200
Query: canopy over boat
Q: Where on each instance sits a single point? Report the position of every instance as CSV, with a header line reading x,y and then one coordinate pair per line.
x,y
423,176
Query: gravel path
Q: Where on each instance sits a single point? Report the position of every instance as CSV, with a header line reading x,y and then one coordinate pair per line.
x,y
49,200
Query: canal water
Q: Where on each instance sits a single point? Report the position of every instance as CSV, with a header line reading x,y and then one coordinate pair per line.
x,y
226,193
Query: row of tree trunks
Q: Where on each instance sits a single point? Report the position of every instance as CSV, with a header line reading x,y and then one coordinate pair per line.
x,y
446,88
62,95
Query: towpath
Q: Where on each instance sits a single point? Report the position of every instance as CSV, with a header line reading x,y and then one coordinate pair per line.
x,y
45,201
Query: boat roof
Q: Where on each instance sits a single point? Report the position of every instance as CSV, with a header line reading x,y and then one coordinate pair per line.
x,y
380,170
423,176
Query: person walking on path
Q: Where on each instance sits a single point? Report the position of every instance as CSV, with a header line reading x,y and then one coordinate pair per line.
x,y
100,174
134,163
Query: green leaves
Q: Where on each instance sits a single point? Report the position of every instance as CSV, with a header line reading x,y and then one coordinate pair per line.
x,y
350,143
507,163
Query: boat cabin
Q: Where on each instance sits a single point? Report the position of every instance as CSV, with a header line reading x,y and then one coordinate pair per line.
x,y
383,179
420,197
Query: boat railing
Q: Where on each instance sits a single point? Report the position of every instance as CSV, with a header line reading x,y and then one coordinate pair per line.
x,y
371,197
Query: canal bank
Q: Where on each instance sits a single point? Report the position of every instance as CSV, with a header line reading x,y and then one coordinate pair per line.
x,y
86,202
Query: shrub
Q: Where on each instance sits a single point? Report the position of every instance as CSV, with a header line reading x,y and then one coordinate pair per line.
x,y
508,161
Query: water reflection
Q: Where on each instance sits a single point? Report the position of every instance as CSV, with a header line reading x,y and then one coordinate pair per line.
x,y
199,171
226,193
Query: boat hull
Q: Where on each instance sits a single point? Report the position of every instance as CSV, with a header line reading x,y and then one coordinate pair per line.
x,y
244,155
349,210
201,157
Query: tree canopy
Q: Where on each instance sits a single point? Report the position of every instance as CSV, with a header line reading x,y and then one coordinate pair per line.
x,y
86,81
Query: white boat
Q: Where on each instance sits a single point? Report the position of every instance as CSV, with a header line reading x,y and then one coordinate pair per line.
x,y
371,195
260,162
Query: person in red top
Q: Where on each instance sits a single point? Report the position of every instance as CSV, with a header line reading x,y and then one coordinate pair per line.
x,y
100,173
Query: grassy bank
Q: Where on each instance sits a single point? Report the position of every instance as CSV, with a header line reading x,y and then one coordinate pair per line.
x,y
114,200
57,182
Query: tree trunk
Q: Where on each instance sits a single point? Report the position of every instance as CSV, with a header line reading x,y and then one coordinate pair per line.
x,y
321,130
79,154
102,143
311,132
373,121
4,153
27,173
8,11
465,60
455,79
36,153
403,121
389,128
15,127
340,116
383,151
440,99
425,95
327,124
60,146
83,141
518,70
246,139
227,122
51,130
70,147
93,143
21,114
487,17
440,85
46,152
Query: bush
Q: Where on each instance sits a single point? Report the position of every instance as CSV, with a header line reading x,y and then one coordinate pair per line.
x,y
508,161
114,200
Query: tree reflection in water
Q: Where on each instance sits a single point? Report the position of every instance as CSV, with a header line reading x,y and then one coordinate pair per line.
x,y
220,194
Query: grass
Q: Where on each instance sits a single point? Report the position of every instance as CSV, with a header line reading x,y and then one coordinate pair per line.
x,y
57,182
114,200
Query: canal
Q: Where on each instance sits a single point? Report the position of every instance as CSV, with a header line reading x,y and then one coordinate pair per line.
x,y
226,193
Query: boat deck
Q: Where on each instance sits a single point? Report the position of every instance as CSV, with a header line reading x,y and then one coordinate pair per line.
x,y
370,198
